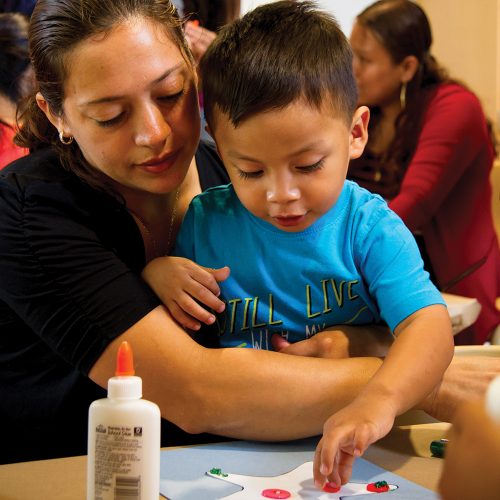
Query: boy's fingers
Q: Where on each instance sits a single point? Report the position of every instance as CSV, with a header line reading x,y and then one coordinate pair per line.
x,y
220,274
319,478
203,295
362,439
345,467
194,311
330,453
204,276
182,318
325,464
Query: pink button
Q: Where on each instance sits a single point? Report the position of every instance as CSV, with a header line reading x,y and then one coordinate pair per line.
x,y
275,493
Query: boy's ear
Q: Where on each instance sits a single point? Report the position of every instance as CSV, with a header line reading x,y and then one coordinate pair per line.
x,y
359,132
57,121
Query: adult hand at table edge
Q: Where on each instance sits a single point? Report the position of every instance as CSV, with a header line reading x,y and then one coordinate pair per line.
x,y
465,380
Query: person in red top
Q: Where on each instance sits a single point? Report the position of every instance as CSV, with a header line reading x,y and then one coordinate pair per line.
x,y
15,81
430,154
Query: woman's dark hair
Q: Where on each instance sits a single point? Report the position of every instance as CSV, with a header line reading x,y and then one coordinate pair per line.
x,y
275,54
56,28
402,27
14,56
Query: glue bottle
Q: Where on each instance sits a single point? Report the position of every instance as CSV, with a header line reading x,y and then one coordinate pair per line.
x,y
124,439
493,399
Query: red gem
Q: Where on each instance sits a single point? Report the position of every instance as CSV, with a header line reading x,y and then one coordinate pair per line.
x,y
331,488
374,488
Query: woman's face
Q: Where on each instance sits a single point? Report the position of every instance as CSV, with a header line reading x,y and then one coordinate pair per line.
x,y
131,105
378,77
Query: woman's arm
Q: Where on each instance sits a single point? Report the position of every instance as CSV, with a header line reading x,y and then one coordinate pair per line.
x,y
241,393
454,134
466,379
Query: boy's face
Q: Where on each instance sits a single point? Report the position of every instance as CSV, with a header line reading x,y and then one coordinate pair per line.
x,y
288,166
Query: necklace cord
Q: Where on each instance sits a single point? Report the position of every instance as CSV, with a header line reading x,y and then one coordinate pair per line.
x,y
157,251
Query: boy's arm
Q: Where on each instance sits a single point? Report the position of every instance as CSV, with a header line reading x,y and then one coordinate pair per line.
x,y
417,359
414,365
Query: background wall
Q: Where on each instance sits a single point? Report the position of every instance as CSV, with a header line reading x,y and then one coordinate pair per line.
x,y
344,10
467,41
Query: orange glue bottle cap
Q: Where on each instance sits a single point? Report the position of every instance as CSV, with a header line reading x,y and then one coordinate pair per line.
x,y
125,385
124,360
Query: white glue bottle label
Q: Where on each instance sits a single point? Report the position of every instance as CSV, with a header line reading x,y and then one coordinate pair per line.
x,y
123,459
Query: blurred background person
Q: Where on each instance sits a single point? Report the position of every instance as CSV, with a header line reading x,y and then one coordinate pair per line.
x,y
430,154
16,81
203,19
22,6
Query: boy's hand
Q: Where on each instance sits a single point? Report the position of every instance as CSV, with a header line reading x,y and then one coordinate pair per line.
x,y
181,285
347,434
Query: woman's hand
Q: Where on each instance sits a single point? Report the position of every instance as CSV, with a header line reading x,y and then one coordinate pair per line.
x,y
466,379
339,342
182,285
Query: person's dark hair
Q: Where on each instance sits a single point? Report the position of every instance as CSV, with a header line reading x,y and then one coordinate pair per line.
x,y
56,28
402,27
212,14
273,55
14,56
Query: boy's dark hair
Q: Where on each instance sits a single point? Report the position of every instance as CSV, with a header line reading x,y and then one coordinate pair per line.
x,y
272,56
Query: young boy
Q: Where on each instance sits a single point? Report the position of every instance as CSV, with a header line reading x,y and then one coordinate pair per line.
x,y
306,248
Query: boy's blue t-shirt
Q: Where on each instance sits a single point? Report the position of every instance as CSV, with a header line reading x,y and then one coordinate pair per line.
x,y
357,264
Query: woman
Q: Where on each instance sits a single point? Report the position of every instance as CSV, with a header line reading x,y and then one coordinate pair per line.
x,y
15,81
430,154
113,127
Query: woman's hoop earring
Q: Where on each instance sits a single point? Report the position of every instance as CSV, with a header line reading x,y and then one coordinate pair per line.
x,y
65,140
402,96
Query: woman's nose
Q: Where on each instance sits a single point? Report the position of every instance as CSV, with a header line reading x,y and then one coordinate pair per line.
x,y
151,128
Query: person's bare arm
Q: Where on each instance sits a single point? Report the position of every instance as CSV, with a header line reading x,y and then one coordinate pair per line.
x,y
240,393
413,366
466,379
